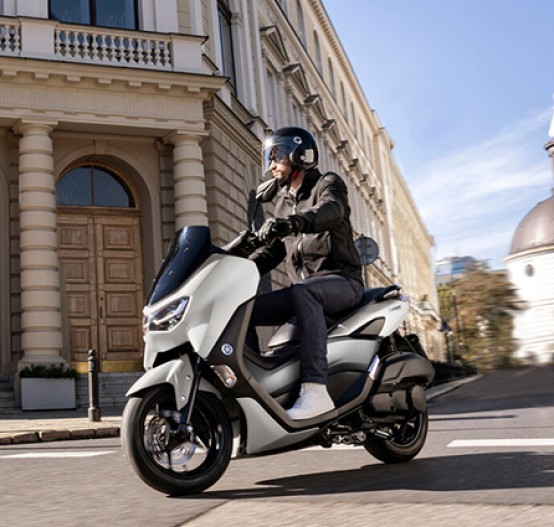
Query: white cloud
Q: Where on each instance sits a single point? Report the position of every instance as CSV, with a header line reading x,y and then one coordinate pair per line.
x,y
473,198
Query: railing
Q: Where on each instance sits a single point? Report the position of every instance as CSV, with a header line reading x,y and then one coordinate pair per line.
x,y
10,39
114,48
54,41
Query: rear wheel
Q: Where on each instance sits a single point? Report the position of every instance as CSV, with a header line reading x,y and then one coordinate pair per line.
x,y
172,461
408,438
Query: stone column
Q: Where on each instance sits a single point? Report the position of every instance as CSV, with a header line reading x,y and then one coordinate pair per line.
x,y
191,207
41,321
167,195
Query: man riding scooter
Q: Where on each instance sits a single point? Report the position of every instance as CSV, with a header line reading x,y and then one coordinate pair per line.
x,y
311,231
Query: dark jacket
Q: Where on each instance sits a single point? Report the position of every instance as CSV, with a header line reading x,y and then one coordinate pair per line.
x,y
325,244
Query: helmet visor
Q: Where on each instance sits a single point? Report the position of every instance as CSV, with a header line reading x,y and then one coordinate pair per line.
x,y
278,152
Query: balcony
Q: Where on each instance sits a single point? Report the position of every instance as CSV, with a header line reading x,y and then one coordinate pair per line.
x,y
56,41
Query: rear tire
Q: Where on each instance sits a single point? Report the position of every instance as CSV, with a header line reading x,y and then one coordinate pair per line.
x,y
405,444
173,464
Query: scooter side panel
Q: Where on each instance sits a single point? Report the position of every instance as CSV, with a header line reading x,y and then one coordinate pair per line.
x,y
263,433
350,354
392,311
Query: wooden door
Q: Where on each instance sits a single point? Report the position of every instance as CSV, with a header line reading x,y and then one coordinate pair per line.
x,y
79,288
120,292
101,263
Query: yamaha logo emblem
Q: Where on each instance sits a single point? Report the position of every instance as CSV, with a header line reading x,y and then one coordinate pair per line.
x,y
227,349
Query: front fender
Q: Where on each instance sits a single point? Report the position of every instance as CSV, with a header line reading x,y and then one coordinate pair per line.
x,y
177,372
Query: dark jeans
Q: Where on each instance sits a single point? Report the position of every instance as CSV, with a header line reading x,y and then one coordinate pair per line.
x,y
309,300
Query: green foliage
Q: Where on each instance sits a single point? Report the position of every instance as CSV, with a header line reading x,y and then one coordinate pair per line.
x,y
479,308
48,371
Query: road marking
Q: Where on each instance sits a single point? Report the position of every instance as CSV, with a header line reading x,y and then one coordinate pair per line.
x,y
470,443
55,455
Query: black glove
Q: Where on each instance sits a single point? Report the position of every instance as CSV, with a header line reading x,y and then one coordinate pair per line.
x,y
277,228
243,245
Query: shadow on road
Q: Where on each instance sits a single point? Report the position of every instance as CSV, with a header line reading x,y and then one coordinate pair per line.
x,y
444,474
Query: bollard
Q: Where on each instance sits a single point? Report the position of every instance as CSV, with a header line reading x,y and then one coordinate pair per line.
x,y
94,413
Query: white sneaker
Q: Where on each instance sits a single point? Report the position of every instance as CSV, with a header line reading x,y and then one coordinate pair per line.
x,y
313,400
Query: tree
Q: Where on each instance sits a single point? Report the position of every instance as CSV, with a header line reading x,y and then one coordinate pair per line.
x,y
479,308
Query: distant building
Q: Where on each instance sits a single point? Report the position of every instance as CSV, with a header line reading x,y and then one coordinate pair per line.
x,y
452,268
531,269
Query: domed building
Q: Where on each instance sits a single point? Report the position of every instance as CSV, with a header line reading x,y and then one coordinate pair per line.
x,y
531,269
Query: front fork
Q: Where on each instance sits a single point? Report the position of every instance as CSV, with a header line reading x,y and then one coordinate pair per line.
x,y
186,413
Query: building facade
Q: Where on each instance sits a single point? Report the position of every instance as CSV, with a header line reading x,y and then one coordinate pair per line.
x,y
120,125
531,269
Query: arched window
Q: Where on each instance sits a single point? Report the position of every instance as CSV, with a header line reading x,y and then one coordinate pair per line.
x,y
93,186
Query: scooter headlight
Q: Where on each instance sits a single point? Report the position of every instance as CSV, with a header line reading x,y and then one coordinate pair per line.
x,y
165,318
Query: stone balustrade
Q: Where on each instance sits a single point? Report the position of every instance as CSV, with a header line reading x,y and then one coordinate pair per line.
x,y
113,47
56,41
10,38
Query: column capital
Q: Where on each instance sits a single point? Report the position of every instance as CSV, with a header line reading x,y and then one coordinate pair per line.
x,y
179,136
23,126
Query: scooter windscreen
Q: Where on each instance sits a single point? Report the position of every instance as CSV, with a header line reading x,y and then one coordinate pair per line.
x,y
189,248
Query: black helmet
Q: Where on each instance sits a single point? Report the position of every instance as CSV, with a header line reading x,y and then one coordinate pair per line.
x,y
295,144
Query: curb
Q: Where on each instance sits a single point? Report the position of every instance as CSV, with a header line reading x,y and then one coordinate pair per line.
x,y
43,436
451,386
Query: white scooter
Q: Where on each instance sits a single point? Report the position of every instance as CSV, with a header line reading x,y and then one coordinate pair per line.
x,y
206,393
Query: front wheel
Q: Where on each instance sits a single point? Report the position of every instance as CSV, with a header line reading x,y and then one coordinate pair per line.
x,y
408,438
172,461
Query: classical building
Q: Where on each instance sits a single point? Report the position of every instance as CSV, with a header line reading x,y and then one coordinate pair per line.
x,y
531,269
120,125
413,265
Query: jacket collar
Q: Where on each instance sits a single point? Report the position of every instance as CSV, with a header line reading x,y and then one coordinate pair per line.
x,y
311,177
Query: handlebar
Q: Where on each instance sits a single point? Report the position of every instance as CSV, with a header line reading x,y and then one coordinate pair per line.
x,y
244,244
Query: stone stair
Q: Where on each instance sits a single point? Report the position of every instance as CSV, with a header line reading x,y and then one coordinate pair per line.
x,y
7,396
111,389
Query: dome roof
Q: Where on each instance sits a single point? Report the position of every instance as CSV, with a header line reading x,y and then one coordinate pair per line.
x,y
536,229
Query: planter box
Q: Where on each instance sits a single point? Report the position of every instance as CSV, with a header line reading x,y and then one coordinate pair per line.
x,y
47,394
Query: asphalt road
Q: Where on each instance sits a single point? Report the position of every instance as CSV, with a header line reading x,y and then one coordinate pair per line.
x,y
489,460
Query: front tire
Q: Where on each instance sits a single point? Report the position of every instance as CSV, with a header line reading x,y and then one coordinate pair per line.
x,y
406,442
173,462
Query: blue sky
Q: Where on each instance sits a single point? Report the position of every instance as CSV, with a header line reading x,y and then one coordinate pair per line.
x,y
464,88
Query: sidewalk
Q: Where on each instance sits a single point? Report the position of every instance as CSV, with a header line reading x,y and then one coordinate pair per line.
x,y
33,427
36,426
